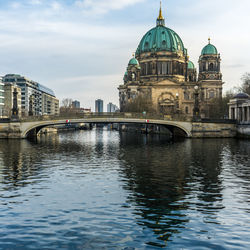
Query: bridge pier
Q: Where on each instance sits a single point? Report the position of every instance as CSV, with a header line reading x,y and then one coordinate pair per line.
x,y
10,130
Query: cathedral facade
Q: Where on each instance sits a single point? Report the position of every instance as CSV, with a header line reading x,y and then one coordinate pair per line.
x,y
161,74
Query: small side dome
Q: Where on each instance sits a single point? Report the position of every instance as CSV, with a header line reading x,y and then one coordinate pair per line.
x,y
209,50
133,61
241,96
191,65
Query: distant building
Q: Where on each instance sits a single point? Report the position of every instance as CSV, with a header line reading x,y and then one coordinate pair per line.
x,y
36,99
239,108
99,105
9,90
112,107
76,104
1,97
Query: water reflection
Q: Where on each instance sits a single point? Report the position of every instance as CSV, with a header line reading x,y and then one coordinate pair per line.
x,y
168,180
177,194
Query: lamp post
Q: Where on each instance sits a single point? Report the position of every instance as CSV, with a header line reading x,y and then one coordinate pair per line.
x,y
15,105
177,103
196,110
31,105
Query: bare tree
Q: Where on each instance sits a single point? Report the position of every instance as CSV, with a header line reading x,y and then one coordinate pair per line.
x,y
218,107
67,103
140,104
245,87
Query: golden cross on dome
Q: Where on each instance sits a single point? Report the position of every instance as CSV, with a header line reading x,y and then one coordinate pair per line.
x,y
209,39
160,13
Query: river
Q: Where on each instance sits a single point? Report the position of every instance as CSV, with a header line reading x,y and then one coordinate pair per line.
x,y
103,189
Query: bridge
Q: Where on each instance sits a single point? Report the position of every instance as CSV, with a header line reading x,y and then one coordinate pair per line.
x,y
24,127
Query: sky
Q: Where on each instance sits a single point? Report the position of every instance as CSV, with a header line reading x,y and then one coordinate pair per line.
x,y
80,48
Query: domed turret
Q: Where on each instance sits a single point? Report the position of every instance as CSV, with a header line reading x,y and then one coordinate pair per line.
x,y
190,65
133,61
241,96
209,49
209,63
191,74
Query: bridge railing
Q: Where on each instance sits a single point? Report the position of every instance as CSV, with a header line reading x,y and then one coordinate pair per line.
x,y
131,115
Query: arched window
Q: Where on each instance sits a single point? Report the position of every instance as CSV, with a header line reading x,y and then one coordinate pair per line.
x,y
211,94
186,110
211,67
186,96
159,68
164,44
204,67
150,68
164,68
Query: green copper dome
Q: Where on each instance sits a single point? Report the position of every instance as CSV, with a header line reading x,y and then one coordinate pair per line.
x,y
160,38
209,50
133,61
191,65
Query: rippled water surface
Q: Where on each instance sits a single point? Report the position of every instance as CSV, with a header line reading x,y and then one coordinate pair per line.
x,y
108,190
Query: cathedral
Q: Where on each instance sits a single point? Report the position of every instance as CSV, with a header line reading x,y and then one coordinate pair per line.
x,y
161,74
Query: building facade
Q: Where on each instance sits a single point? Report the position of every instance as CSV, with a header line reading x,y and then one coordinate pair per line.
x,y
112,107
160,75
36,99
99,106
239,108
76,104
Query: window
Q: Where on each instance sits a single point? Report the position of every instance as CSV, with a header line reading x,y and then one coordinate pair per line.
x,y
186,96
164,68
186,110
211,94
204,67
211,67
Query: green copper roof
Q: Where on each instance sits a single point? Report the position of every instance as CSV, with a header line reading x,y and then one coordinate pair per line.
x,y
133,61
209,50
161,38
190,65
126,73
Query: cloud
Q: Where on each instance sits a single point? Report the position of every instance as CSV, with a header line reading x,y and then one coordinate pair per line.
x,y
15,5
35,2
104,6
53,42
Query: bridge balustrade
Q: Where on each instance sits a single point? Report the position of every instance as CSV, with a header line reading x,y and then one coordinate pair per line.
x,y
68,116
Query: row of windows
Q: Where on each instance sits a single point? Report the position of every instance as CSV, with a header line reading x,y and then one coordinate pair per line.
x,y
211,67
162,68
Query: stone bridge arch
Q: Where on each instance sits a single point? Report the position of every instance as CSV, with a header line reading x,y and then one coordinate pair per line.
x,y
177,128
